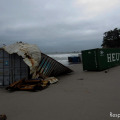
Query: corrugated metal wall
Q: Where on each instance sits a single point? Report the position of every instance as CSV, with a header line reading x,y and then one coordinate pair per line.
x,y
12,68
50,67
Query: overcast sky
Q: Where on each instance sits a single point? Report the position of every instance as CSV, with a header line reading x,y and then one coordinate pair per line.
x,y
58,25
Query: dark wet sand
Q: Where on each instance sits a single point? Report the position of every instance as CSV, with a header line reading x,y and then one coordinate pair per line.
x,y
78,96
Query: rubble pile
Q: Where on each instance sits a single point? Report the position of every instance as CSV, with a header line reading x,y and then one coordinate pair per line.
x,y
31,85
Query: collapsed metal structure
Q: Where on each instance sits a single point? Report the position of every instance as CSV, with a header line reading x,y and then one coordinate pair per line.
x,y
50,67
21,62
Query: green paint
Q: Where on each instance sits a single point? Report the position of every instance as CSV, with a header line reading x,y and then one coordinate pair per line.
x,y
100,59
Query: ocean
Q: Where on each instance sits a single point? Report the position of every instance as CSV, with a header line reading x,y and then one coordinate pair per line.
x,y
63,57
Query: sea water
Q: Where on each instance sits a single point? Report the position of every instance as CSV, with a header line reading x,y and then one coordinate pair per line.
x,y
63,57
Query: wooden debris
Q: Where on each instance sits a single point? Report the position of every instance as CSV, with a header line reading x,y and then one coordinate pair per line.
x,y
3,117
52,80
31,85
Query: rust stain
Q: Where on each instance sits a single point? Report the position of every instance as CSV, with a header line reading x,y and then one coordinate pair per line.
x,y
31,60
29,57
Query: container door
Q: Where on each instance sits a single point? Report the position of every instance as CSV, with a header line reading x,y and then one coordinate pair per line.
x,y
89,60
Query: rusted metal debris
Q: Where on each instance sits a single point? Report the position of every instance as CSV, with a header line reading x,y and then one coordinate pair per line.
x,y
34,84
3,117
52,80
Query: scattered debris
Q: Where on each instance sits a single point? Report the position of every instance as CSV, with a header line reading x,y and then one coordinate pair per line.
x,y
3,117
80,79
106,71
52,80
31,85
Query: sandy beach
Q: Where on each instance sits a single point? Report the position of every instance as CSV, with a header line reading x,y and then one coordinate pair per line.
x,y
77,96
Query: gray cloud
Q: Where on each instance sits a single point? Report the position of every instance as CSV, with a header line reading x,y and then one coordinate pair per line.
x,y
57,25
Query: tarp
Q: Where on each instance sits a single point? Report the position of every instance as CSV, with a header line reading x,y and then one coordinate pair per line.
x,y
30,53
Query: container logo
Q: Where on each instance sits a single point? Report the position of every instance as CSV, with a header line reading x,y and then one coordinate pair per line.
x,y
101,53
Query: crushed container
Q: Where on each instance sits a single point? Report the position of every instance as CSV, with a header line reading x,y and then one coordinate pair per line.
x,y
13,68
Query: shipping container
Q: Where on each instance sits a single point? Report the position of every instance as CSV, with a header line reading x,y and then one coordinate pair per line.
x,y
100,59
74,59
12,68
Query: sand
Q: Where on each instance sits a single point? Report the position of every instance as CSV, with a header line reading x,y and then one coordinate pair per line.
x,y
78,96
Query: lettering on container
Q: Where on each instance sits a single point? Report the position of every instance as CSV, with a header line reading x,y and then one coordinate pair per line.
x,y
112,57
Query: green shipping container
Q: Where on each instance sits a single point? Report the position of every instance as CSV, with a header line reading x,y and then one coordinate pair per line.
x,y
100,59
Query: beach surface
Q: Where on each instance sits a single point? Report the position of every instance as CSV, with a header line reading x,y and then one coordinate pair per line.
x,y
81,95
